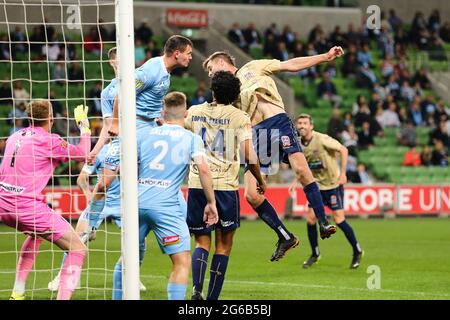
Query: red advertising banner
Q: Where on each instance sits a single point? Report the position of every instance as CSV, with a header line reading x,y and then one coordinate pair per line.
x,y
187,18
370,200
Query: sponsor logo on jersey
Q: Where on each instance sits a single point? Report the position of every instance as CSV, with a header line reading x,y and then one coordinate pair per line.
x,y
11,188
170,240
226,223
333,200
286,141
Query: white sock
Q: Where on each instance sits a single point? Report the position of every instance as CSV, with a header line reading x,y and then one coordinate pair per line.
x,y
19,287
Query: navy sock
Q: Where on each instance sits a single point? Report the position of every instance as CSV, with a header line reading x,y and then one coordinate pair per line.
x,y
314,197
350,235
268,214
312,236
199,265
217,276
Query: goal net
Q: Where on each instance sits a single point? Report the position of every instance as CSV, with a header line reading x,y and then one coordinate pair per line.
x,y
57,50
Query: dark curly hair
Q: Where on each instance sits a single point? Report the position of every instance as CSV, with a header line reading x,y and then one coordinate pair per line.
x,y
225,87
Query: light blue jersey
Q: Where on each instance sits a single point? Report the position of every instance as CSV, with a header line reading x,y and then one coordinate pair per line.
x,y
152,84
113,193
164,154
107,98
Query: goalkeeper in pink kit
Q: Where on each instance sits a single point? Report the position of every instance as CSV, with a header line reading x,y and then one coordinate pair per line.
x,y
31,155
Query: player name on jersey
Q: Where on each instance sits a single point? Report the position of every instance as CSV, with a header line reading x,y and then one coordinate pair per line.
x,y
213,121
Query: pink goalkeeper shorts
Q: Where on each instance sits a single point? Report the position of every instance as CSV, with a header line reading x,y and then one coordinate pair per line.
x,y
39,220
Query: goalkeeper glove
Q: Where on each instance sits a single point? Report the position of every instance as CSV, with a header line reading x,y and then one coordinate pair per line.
x,y
81,119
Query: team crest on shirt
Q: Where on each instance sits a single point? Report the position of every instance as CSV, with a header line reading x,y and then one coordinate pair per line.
x,y
333,200
286,141
170,240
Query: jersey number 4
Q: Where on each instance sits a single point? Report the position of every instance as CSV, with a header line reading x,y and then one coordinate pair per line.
x,y
218,145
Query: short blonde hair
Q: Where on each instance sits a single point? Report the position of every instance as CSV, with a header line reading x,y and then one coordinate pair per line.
x,y
305,116
219,54
174,105
38,112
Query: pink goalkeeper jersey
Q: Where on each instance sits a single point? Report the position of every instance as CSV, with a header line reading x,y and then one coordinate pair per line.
x,y
31,155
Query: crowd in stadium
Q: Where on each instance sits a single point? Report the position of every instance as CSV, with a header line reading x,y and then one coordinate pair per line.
x,y
397,97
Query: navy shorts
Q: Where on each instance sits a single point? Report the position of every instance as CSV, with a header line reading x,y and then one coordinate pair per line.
x,y
274,139
228,207
333,199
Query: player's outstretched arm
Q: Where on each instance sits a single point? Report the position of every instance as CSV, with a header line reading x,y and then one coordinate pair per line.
x,y
251,159
300,63
210,216
83,184
105,180
102,140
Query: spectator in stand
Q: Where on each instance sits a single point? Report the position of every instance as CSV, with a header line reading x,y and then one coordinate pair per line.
x,y
434,21
314,33
104,34
412,157
387,66
322,44
365,57
272,30
380,91
428,105
407,93
199,97
365,138
252,36
5,92
418,24
348,119
92,43
17,113
76,73
281,53
64,125
57,107
363,115
18,36
144,32
394,20
18,125
392,86
350,138
289,37
36,41
337,37
416,113
436,49
425,156
202,86
335,126
350,68
59,72
139,52
270,46
47,30
439,156
362,176
360,100
352,37
51,51
236,36
444,32
440,134
21,96
299,50
441,112
407,135
386,43
95,99
327,90
422,77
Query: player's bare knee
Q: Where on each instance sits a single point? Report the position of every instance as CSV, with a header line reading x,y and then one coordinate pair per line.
x,y
304,175
253,198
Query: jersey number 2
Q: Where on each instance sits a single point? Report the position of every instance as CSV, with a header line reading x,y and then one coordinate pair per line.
x,y
155,164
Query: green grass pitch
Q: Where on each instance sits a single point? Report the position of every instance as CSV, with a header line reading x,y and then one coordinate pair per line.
x,y
413,256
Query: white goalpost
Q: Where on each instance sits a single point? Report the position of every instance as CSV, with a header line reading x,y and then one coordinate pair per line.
x,y
127,99
48,50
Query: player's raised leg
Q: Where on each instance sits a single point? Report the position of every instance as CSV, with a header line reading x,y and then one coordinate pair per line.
x,y
312,192
267,213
